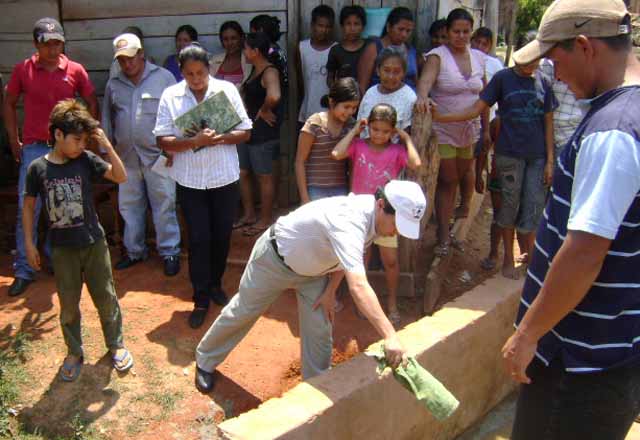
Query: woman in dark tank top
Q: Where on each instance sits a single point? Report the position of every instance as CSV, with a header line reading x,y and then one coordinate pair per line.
x,y
262,94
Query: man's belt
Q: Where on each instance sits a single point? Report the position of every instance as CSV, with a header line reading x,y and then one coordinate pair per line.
x,y
274,245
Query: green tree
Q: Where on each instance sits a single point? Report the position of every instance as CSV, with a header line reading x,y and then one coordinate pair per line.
x,y
529,15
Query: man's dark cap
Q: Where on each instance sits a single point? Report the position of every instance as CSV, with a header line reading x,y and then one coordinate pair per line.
x,y
47,29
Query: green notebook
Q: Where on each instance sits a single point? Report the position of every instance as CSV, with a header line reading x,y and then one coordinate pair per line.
x,y
215,112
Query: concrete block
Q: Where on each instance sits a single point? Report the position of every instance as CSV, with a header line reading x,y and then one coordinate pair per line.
x,y
460,345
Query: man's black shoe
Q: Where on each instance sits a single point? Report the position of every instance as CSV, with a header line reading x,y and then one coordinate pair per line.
x,y
204,381
126,262
18,286
171,265
197,317
219,297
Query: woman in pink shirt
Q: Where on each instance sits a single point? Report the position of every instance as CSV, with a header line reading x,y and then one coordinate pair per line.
x,y
375,161
453,77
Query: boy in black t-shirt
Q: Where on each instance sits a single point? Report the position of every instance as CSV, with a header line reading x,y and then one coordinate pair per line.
x,y
344,56
79,250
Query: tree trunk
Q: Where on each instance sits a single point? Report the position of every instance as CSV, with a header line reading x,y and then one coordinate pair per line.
x,y
511,33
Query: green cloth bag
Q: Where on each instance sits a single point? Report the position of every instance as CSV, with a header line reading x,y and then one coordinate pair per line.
x,y
427,389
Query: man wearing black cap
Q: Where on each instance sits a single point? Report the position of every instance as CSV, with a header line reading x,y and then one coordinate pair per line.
x,y
43,80
576,349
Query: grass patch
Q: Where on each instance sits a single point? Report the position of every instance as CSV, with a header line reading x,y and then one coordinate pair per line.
x,y
12,374
83,430
166,400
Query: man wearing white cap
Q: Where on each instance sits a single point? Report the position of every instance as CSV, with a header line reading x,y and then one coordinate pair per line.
x,y
307,250
576,349
131,101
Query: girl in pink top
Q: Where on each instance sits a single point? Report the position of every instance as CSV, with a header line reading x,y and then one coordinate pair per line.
x,y
454,77
375,161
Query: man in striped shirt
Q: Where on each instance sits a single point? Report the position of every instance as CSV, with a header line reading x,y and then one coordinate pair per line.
x,y
575,348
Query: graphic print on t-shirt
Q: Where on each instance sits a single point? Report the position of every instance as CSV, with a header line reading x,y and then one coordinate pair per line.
x,y
526,105
64,202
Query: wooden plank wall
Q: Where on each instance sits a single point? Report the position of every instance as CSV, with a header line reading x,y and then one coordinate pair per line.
x,y
16,27
90,30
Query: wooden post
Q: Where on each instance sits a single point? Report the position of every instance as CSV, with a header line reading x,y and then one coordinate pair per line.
x,y
426,176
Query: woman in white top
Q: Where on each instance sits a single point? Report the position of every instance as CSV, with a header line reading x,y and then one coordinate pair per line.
x,y
205,167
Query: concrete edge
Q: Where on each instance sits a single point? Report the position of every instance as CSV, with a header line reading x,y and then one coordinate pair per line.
x,y
460,345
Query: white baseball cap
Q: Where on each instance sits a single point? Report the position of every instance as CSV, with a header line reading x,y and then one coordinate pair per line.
x,y
409,202
127,45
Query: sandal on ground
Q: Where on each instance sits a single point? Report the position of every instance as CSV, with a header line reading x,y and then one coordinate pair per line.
x,y
456,244
242,223
394,318
441,250
123,362
72,368
488,264
252,231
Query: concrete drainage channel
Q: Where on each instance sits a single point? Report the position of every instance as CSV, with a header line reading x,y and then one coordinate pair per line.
x,y
460,345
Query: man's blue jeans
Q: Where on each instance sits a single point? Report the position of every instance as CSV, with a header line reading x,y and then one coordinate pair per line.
x,y
21,266
145,187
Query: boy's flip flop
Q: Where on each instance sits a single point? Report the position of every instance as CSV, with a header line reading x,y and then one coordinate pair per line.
x,y
125,358
72,368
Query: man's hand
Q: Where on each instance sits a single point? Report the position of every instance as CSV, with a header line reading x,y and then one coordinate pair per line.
x,y
33,256
548,173
394,352
328,303
16,149
517,354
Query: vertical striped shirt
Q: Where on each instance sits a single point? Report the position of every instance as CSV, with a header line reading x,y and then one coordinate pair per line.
x,y
322,169
596,189
211,167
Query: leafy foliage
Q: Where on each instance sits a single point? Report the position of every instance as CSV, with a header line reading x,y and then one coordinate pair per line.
x,y
529,14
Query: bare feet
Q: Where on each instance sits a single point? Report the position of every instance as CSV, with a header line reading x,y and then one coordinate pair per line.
x,y
509,271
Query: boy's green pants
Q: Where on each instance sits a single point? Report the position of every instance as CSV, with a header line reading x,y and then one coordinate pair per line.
x,y
91,265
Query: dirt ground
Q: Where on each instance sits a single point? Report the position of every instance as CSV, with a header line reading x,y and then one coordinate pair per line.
x,y
157,398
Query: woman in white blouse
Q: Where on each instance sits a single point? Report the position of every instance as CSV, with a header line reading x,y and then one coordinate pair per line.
x,y
205,167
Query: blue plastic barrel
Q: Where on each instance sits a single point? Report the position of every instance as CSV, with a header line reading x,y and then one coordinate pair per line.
x,y
376,19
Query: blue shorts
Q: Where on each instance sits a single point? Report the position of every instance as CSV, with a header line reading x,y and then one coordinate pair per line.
x,y
523,192
258,157
321,192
